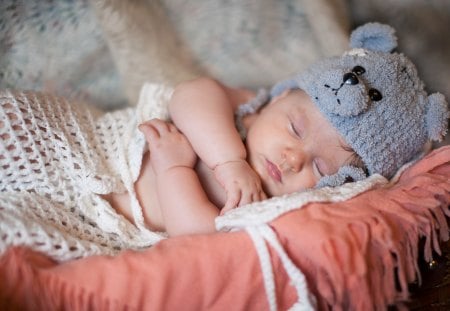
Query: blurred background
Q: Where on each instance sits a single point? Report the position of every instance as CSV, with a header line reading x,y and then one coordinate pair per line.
x,y
101,51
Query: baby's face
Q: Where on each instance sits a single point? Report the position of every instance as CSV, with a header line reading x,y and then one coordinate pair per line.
x,y
291,145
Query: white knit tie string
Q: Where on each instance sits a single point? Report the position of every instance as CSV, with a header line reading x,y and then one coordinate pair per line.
x,y
261,235
266,266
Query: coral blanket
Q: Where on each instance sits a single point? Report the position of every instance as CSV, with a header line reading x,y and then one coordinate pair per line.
x,y
356,255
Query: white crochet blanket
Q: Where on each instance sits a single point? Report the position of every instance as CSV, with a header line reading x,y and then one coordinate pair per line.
x,y
57,159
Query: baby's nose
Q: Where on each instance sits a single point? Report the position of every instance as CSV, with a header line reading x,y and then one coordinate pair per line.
x,y
294,160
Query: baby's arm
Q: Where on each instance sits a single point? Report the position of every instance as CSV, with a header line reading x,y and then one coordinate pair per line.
x,y
185,208
203,110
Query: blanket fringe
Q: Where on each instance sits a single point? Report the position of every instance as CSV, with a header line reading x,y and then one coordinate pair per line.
x,y
369,260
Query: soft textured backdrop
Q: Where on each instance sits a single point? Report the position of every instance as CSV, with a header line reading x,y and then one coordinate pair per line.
x,y
101,51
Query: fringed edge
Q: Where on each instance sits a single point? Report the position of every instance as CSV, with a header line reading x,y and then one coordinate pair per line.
x,y
370,266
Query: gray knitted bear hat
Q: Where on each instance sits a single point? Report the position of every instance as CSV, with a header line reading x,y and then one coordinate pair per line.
x,y
376,101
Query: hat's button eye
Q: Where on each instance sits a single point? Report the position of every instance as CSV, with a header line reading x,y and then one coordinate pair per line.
x,y
359,70
375,95
350,78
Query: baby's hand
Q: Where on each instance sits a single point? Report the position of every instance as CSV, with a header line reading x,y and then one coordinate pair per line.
x,y
242,185
168,147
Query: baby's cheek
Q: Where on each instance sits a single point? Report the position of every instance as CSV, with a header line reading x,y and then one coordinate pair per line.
x,y
303,182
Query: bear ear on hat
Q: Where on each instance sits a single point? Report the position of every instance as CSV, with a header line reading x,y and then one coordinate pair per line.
x,y
437,115
375,37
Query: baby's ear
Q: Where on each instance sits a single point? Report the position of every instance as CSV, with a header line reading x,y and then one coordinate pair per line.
x,y
375,37
437,114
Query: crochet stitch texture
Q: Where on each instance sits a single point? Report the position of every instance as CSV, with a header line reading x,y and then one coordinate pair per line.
x,y
56,161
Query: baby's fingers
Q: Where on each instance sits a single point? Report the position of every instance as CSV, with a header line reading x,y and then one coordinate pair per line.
x,y
259,196
256,196
246,198
149,131
233,198
156,128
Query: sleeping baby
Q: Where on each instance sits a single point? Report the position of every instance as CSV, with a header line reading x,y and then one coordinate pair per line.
x,y
343,119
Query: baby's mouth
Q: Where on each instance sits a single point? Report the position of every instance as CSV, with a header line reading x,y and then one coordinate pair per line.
x,y
273,171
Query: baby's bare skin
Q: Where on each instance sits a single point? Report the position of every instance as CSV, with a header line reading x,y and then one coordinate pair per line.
x,y
201,166
147,195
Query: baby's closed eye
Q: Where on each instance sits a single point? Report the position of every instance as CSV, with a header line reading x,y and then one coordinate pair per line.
x,y
296,128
